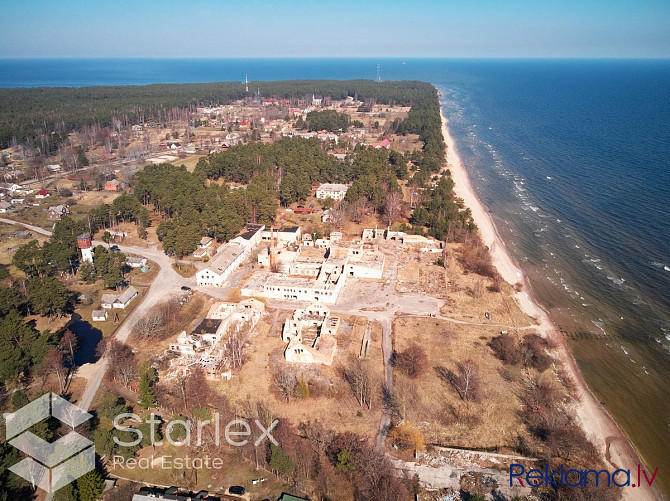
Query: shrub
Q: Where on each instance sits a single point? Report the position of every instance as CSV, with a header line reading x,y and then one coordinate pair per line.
x,y
506,349
533,351
412,361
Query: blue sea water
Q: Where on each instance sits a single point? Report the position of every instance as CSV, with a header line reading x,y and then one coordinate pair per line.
x,y
572,158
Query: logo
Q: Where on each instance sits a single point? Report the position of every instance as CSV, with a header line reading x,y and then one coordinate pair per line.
x,y
50,465
577,478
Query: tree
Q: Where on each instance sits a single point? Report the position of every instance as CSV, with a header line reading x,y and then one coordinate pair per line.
x,y
21,346
107,237
87,272
29,258
407,438
69,344
48,296
286,382
506,349
10,299
361,380
465,381
345,461
392,207
123,366
111,406
19,399
53,364
411,361
151,323
280,463
61,249
66,493
302,388
81,157
90,486
148,378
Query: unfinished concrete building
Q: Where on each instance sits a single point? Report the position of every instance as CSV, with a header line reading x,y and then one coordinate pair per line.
x,y
310,335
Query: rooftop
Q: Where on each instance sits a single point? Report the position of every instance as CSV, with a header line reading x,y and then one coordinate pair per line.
x,y
225,257
332,187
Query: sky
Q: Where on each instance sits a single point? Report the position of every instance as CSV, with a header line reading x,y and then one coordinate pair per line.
x,y
344,28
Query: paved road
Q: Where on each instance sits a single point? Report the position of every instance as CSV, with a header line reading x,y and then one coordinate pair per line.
x,y
30,227
166,283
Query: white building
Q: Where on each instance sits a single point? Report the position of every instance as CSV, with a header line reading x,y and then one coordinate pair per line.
x,y
229,257
136,261
99,315
288,235
310,336
334,191
365,263
120,301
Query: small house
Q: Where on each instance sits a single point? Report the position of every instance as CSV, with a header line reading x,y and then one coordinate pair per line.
x,y
113,185
100,315
136,261
55,212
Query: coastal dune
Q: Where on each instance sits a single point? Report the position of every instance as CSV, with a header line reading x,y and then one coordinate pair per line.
x,y
598,424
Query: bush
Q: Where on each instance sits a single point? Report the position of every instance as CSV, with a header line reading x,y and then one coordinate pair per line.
x,y
506,349
412,361
533,351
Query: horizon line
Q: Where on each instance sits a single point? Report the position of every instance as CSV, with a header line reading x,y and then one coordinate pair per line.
x,y
394,58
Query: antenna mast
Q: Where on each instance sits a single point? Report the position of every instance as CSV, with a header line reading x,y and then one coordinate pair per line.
x,y
246,83
379,73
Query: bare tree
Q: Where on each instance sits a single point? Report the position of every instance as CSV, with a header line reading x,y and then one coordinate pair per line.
x,y
236,344
196,388
53,364
358,375
357,209
411,361
69,343
466,380
151,323
393,206
286,382
121,361
338,215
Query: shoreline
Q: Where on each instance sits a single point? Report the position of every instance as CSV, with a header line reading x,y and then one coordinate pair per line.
x,y
600,427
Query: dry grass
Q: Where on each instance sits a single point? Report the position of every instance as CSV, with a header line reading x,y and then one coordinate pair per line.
x,y
436,409
333,404
154,347
185,270
8,245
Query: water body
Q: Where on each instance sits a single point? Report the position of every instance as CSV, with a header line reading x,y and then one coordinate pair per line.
x,y
88,337
571,158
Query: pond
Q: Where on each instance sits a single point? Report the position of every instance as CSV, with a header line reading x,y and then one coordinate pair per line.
x,y
88,337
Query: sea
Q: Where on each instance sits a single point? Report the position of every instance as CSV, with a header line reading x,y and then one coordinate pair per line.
x,y
572,159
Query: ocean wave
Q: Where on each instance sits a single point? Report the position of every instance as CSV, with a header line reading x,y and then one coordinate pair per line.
x,y
618,281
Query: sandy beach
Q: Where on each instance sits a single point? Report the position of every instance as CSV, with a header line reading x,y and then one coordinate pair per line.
x,y
599,425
